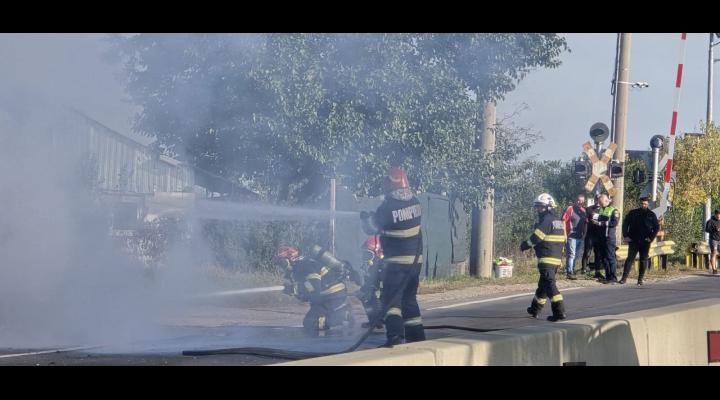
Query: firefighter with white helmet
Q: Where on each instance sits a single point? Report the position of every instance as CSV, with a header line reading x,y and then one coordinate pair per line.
x,y
548,240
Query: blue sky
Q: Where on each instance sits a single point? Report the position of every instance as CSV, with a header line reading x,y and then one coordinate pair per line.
x,y
562,103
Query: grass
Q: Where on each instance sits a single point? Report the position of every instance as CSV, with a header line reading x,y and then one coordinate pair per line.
x,y
526,272
230,279
523,272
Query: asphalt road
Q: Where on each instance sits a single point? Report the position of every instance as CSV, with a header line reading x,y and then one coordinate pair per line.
x,y
495,312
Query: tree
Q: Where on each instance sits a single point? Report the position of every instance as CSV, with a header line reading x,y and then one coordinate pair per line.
x,y
286,111
697,177
514,215
696,167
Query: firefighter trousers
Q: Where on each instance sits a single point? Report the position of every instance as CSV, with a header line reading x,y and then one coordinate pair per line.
x,y
547,288
370,291
327,312
399,300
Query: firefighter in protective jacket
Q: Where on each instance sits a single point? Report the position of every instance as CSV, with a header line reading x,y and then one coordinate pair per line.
x,y
548,240
369,293
397,222
319,280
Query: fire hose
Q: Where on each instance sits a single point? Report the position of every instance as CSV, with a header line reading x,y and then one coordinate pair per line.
x,y
299,355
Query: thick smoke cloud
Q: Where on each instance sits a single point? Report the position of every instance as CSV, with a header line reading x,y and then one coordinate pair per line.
x,y
63,280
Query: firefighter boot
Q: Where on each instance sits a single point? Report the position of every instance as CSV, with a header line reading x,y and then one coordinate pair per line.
x,y
350,319
366,325
414,330
392,341
536,307
558,309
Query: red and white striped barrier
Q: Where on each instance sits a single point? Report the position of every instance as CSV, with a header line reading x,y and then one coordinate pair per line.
x,y
673,127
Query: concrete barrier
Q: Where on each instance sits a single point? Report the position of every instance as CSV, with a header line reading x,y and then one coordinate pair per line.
x,y
672,335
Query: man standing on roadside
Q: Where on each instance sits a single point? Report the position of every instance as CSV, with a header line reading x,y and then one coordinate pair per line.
x,y
639,230
713,228
575,219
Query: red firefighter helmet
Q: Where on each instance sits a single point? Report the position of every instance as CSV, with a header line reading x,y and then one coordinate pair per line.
x,y
287,254
396,179
373,245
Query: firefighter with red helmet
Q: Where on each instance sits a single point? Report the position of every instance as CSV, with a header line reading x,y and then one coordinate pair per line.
x,y
369,293
319,280
548,240
397,222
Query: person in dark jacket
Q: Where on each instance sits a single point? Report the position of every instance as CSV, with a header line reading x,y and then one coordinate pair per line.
x,y
548,240
591,237
639,230
713,228
607,220
397,222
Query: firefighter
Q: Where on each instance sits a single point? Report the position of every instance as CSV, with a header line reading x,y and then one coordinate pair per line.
x,y
607,220
369,293
397,222
548,239
319,280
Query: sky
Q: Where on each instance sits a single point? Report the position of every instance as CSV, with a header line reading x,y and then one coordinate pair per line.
x,y
561,103
69,69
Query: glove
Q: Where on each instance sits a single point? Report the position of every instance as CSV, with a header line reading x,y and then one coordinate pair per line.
x,y
361,295
524,246
356,277
352,274
288,288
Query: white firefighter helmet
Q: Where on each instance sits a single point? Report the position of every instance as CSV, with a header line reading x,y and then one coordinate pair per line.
x,y
544,199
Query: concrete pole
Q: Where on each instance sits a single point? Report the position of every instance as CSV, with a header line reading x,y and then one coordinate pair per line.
x,y
621,119
475,261
708,114
332,216
487,212
708,121
614,88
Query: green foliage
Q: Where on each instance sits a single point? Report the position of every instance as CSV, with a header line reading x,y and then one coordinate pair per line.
x,y
697,168
286,111
633,190
697,177
514,215
250,247
683,226
152,242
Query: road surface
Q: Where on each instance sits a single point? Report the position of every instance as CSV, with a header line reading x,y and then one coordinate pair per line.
x,y
224,326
